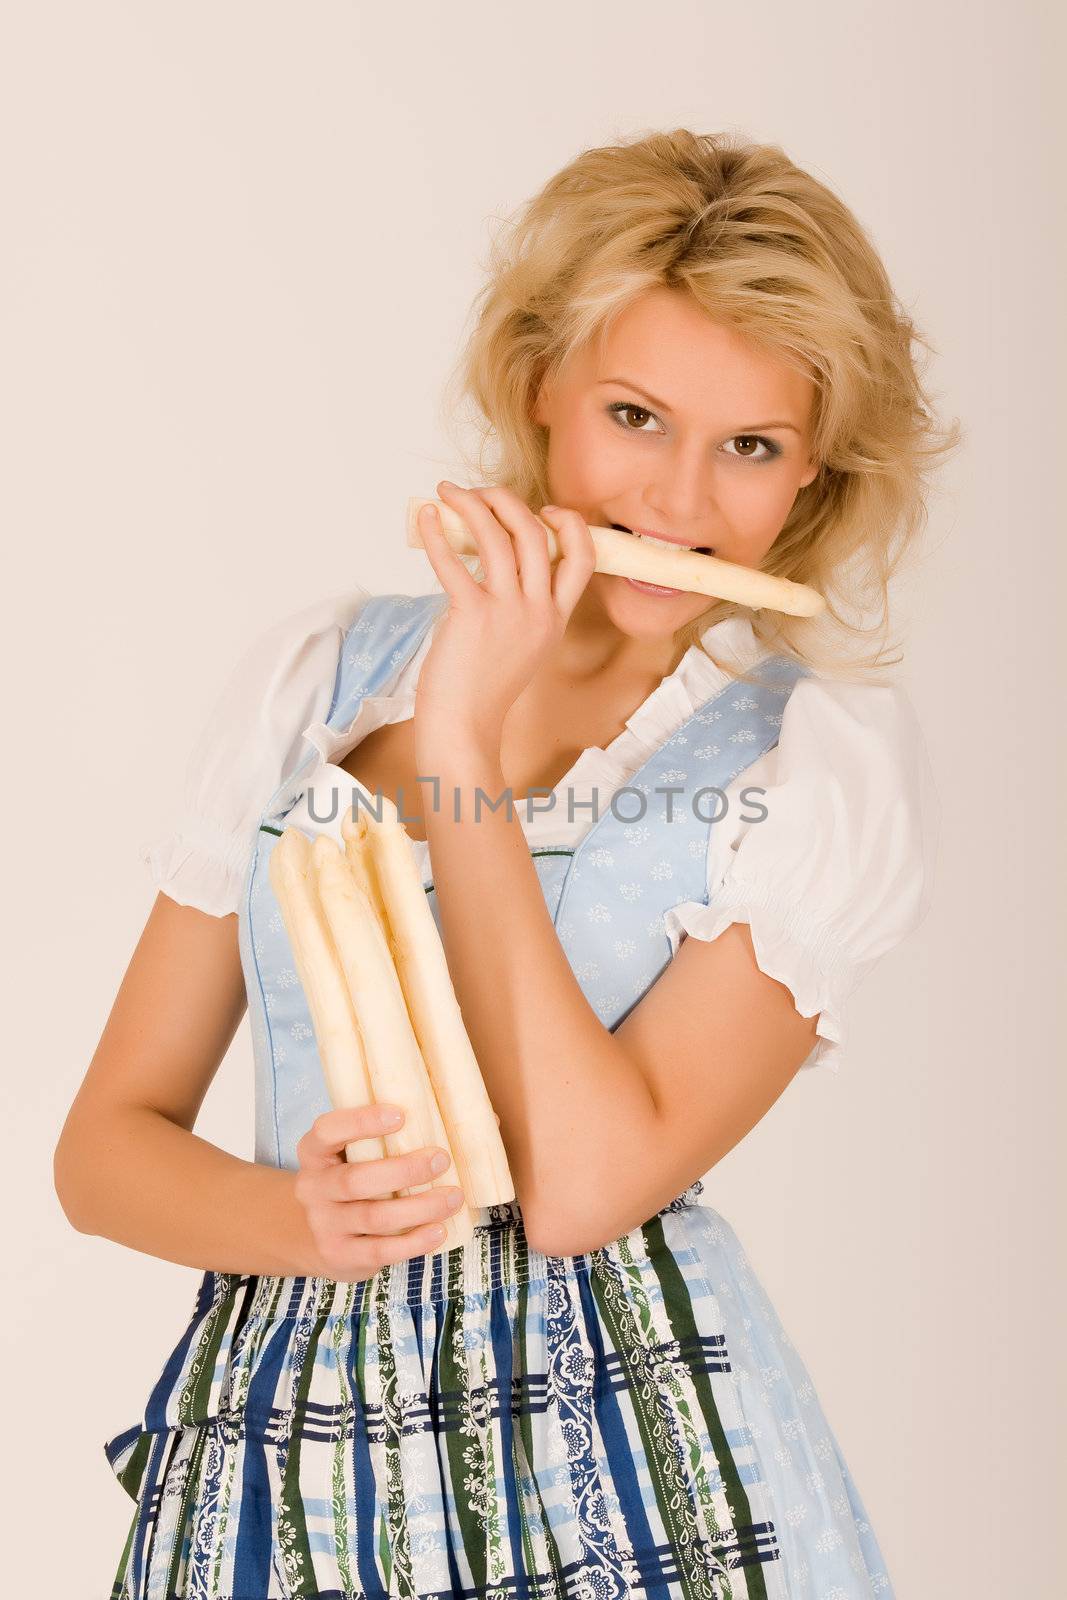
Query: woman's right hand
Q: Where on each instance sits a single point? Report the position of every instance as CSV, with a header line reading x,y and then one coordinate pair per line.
x,y
353,1226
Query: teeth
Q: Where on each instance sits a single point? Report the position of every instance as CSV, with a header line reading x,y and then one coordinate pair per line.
x,y
654,539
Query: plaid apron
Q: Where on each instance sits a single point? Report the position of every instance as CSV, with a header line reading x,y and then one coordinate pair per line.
x,y
492,1420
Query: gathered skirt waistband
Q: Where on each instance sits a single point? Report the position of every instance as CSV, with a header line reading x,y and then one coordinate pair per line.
x,y
497,1257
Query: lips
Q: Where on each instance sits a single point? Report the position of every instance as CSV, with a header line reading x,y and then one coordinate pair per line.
x,y
702,550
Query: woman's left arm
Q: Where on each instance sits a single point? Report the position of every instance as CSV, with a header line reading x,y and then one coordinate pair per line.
x,y
570,1102
601,1129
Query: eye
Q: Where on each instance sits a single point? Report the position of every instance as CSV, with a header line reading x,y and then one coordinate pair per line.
x,y
769,445
619,406
620,409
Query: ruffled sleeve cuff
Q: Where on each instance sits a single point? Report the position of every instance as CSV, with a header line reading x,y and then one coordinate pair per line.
x,y
840,868
789,945
199,865
254,735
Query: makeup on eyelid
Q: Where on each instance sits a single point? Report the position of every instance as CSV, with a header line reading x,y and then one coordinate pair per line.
x,y
617,407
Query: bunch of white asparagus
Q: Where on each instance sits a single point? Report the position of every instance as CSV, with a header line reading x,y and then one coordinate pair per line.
x,y
386,1018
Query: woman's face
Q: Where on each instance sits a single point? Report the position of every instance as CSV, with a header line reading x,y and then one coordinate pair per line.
x,y
715,462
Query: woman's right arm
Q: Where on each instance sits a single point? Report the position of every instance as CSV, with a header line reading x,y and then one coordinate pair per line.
x,y
129,1167
127,1164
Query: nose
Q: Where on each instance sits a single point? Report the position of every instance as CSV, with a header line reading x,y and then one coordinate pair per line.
x,y
681,500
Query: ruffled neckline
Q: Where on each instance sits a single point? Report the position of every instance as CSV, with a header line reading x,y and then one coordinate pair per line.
x,y
673,701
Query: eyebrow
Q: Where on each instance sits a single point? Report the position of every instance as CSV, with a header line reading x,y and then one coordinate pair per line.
x,y
661,405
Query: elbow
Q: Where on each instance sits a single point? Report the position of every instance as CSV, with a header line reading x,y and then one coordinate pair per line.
x,y
540,1227
548,1239
585,1224
66,1189
579,1219
544,1228
555,1235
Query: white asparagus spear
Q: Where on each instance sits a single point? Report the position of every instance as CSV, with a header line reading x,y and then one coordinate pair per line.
x,y
337,1035
397,1071
362,869
625,556
418,955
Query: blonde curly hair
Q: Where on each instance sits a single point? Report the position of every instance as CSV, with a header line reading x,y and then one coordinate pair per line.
x,y
771,252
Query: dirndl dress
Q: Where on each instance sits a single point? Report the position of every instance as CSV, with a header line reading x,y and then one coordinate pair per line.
x,y
491,1420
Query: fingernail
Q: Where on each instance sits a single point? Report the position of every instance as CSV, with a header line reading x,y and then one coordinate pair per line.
x,y
439,1162
391,1117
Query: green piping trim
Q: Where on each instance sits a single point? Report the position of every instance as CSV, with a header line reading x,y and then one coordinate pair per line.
x,y
546,850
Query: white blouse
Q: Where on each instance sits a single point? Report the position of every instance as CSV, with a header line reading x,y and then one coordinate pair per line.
x,y
838,871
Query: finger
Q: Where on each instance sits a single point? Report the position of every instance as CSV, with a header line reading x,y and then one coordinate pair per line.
x,y
368,1180
323,1145
397,1216
454,577
530,538
371,1252
495,549
577,561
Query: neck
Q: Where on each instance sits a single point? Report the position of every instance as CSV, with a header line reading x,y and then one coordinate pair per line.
x,y
594,647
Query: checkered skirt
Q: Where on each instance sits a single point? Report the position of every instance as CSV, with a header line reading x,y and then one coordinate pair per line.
x,y
494,1421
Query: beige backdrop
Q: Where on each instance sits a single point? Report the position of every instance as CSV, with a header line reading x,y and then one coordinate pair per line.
x,y
241,242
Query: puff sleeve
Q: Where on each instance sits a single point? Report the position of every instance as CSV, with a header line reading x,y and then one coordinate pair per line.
x,y
840,868
250,741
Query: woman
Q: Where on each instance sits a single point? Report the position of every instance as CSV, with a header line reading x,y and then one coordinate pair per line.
x,y
692,339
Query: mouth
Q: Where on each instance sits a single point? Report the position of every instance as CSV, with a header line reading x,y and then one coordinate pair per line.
x,y
657,538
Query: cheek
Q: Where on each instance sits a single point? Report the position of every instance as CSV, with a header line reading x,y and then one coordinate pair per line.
x,y
758,506
758,489
583,465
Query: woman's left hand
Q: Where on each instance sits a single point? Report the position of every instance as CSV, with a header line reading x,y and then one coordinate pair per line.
x,y
495,635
